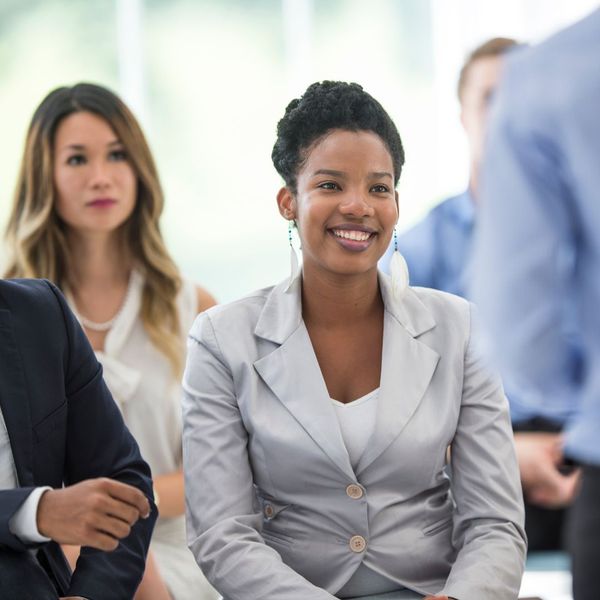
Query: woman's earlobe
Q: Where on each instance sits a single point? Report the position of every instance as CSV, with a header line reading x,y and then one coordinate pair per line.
x,y
286,203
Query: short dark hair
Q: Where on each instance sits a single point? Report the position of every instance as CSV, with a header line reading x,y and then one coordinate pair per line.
x,y
494,47
323,107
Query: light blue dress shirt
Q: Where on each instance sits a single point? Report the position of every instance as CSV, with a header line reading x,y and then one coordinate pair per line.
x,y
438,252
539,225
437,249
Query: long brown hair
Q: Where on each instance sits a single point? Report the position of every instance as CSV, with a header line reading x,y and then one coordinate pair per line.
x,y
35,235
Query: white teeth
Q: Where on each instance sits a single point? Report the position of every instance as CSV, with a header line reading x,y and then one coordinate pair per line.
x,y
358,236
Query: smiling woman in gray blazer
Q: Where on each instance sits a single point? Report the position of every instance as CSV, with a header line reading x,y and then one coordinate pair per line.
x,y
319,412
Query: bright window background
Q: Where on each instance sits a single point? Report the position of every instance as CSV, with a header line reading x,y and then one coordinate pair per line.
x,y
210,78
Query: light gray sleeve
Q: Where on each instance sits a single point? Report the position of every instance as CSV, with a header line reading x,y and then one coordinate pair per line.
x,y
222,522
489,521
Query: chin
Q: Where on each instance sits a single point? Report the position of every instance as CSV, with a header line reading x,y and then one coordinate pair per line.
x,y
353,269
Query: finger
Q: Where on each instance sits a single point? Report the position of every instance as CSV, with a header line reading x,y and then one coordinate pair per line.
x,y
571,486
547,483
556,492
120,510
556,452
114,527
104,524
101,541
547,476
129,494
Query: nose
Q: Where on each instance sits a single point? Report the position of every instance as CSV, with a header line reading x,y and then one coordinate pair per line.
x,y
355,204
100,174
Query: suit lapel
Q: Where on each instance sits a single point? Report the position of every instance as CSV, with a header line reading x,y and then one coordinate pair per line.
x,y
14,401
406,370
292,373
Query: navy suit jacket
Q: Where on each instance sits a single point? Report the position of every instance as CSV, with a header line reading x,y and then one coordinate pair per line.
x,y
64,427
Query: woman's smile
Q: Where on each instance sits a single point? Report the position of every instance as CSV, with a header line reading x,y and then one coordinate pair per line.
x,y
353,237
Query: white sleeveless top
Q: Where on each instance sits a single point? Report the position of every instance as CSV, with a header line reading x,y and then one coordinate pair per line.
x,y
141,380
357,422
143,385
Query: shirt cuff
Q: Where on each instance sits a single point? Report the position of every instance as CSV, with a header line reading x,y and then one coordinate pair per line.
x,y
23,523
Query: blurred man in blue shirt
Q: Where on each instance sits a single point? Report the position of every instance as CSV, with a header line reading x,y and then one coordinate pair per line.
x,y
539,246
438,251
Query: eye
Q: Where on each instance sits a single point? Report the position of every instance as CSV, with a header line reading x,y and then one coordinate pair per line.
x,y
380,188
117,155
329,185
76,159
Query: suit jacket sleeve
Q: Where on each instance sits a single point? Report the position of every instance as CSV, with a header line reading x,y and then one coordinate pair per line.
x,y
10,502
489,519
100,445
222,520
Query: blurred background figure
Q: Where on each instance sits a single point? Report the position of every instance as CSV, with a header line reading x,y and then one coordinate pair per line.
x,y
538,252
86,216
438,251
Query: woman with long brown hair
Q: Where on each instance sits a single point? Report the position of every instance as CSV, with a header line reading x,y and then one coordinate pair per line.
x,y
86,216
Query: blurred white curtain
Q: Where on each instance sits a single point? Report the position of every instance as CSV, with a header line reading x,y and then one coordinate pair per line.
x,y
129,14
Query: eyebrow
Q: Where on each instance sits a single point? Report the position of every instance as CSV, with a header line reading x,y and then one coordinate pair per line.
x,y
333,173
82,146
379,174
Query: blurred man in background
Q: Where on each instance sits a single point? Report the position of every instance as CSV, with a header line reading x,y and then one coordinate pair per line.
x,y
438,251
538,252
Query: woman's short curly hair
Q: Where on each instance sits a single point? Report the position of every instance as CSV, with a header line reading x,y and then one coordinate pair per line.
x,y
325,106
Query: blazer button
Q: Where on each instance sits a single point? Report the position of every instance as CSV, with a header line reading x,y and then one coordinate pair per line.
x,y
354,491
269,511
358,543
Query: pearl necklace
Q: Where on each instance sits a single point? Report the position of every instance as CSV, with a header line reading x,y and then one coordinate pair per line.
x,y
103,326
95,325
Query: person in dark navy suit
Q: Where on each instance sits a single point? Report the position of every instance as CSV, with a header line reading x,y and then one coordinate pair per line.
x,y
70,471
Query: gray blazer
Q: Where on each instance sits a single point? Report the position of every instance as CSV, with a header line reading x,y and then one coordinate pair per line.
x,y
273,511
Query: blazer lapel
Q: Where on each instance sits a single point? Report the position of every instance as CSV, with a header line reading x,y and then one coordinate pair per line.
x,y
292,373
14,401
406,370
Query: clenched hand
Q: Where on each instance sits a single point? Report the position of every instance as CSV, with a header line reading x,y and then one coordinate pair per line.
x,y
540,457
96,513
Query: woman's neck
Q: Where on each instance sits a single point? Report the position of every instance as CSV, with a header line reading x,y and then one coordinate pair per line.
x,y
98,260
331,300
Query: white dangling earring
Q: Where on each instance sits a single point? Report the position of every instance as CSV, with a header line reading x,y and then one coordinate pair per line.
x,y
294,266
399,272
